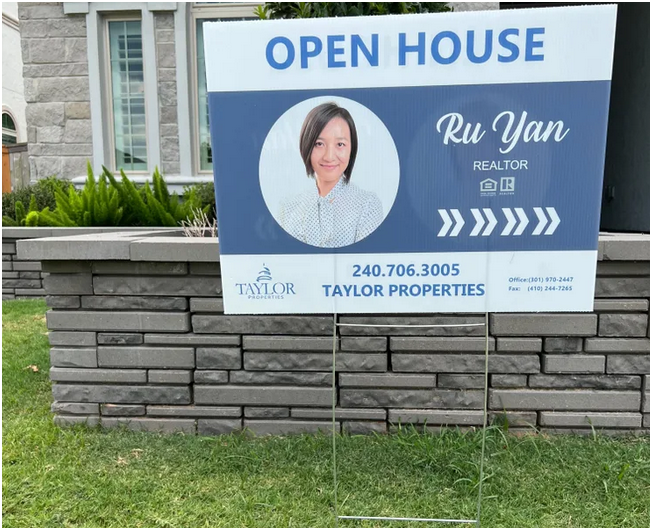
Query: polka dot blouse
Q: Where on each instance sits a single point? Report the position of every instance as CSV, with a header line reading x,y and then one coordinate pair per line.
x,y
345,216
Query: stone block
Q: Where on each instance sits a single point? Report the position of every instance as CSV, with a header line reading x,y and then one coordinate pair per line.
x,y
207,305
109,409
402,398
267,412
218,427
34,266
75,408
167,92
166,55
262,396
66,266
44,11
68,284
21,284
50,50
588,419
646,421
51,134
72,338
219,358
8,248
164,35
45,114
622,325
29,275
147,303
573,324
315,362
561,400
460,381
172,377
622,288
272,343
363,344
145,357
170,130
520,344
163,248
30,293
96,375
6,267
513,418
646,382
620,305
563,344
453,344
623,268
387,381
120,339
139,268
280,378
56,89
78,110
74,165
137,394
364,427
165,426
190,339
157,285
142,321
10,275
595,345
278,427
69,421
596,382
573,364
263,325
205,269
645,407
6,296
340,414
508,380
76,50
56,70
195,412
211,376
436,417
405,320
628,364
634,247
73,357
465,363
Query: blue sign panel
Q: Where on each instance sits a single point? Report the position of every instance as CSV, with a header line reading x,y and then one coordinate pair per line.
x,y
427,163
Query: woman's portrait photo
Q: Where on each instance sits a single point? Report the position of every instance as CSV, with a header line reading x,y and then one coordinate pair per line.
x,y
343,197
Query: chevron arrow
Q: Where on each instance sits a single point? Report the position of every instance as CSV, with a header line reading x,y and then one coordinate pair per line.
x,y
543,221
511,222
460,223
479,222
447,223
555,221
492,221
523,221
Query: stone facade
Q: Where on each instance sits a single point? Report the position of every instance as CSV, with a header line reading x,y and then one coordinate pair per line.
x,y
139,338
55,71
167,93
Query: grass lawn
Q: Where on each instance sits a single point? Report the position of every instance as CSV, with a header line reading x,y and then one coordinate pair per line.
x,y
90,478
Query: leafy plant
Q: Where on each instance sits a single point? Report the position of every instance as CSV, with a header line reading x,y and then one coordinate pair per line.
x,y
275,10
43,190
205,193
108,202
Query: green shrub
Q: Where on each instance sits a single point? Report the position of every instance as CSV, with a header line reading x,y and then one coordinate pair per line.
x,y
43,191
270,10
205,193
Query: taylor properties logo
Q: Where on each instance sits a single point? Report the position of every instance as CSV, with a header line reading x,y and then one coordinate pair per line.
x,y
265,288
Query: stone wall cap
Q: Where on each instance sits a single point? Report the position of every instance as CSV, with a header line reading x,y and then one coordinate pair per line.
x,y
192,249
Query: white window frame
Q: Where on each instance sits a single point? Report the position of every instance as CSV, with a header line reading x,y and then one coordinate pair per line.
x,y
9,132
108,91
95,13
204,11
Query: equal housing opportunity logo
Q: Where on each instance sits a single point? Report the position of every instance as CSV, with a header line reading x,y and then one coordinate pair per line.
x,y
265,288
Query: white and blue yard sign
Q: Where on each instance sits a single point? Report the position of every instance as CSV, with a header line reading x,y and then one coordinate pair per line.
x,y
416,163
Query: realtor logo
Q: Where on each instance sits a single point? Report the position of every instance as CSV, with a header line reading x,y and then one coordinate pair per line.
x,y
263,288
507,184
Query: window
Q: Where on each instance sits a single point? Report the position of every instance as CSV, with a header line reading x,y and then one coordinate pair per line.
x,y
127,94
9,134
205,12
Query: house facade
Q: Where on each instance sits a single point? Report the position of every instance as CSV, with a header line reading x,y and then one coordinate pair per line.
x,y
14,127
123,85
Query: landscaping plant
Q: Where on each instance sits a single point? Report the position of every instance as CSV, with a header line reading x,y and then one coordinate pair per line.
x,y
35,197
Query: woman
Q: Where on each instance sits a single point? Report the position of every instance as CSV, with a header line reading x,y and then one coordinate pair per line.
x,y
334,213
